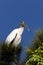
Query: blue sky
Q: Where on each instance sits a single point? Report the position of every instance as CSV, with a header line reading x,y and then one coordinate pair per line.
x,y
12,11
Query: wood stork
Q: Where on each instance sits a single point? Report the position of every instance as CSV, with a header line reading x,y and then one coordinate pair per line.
x,y
15,36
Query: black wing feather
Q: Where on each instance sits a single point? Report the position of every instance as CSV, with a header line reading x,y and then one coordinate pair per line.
x,y
13,39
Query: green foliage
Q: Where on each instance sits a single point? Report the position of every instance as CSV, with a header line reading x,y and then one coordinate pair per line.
x,y
36,52
10,54
36,58
38,40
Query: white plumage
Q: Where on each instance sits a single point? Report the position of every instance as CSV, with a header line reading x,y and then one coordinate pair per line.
x,y
12,35
15,36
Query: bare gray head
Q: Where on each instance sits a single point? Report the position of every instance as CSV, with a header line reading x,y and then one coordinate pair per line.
x,y
22,24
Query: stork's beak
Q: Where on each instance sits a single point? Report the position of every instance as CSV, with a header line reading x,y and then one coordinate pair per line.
x,y
27,27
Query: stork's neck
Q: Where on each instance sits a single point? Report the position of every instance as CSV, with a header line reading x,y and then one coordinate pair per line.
x,y
21,29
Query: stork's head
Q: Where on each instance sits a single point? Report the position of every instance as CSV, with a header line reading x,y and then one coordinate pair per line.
x,y
22,24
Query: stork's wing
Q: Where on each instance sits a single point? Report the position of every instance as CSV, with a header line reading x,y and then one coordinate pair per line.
x,y
13,39
11,36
